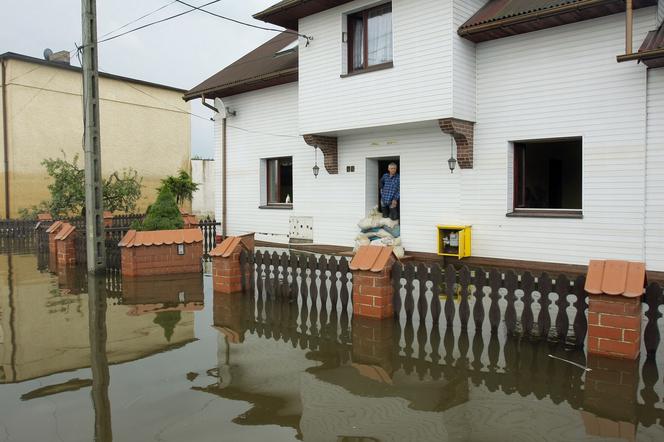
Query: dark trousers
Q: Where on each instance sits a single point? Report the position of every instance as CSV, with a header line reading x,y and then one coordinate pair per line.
x,y
391,212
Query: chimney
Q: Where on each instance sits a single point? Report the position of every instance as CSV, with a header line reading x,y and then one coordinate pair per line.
x,y
58,57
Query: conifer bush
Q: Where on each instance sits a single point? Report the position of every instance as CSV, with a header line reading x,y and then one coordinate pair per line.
x,y
163,214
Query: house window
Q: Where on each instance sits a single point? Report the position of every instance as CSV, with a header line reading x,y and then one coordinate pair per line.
x,y
547,177
279,181
370,38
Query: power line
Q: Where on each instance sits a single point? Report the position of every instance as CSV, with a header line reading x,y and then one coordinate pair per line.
x,y
139,18
155,22
288,31
184,111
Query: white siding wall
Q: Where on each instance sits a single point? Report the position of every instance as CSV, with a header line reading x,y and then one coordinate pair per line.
x,y
417,88
660,12
562,82
464,62
655,171
337,202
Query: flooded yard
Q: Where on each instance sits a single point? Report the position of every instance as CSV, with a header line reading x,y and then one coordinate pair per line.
x,y
166,359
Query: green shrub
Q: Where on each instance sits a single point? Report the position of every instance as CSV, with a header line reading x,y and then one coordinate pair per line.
x,y
181,186
163,214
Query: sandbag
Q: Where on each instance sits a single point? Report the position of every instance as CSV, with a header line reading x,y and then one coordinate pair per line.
x,y
399,252
393,231
382,233
388,222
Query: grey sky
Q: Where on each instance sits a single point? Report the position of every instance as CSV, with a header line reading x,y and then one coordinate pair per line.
x,y
181,52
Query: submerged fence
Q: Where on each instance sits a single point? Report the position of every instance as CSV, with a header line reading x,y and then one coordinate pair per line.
x,y
534,306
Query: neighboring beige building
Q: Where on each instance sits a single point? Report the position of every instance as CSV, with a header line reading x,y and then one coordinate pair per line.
x,y
144,125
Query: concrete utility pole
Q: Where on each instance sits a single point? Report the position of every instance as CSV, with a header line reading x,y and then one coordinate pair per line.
x,y
94,219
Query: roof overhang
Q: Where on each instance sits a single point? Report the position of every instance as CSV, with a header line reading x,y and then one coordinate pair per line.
x,y
240,87
483,26
287,13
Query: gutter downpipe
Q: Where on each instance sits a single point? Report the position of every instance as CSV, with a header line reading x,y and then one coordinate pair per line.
x,y
5,136
629,23
222,112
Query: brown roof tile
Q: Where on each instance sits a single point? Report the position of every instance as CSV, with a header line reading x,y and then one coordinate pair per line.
x,y
44,217
64,232
134,238
372,258
54,227
260,68
616,278
227,247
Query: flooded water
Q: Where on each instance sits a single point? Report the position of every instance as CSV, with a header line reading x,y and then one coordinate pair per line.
x,y
165,359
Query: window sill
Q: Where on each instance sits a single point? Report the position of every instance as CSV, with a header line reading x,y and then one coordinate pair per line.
x,y
277,207
374,68
525,213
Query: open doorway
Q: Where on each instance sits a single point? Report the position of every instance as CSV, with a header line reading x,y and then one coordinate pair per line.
x,y
375,168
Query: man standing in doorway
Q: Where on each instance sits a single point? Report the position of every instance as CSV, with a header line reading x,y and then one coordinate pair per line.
x,y
389,193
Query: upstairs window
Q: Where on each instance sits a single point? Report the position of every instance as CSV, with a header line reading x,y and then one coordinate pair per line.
x,y
370,38
279,180
547,176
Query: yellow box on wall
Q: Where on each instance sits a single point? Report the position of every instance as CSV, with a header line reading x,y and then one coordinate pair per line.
x,y
454,241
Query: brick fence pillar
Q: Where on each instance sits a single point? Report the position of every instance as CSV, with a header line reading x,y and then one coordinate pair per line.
x,y
614,308
610,398
227,273
372,282
227,316
66,245
373,348
52,232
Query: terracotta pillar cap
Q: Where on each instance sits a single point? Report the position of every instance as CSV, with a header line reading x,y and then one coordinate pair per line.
x,y
616,278
372,258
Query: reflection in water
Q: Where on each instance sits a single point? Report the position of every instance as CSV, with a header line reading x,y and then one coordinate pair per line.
x,y
99,359
44,320
398,373
279,370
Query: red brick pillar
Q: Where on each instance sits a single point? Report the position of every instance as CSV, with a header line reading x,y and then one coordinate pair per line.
x,y
66,245
614,308
52,232
227,272
108,219
610,398
373,348
372,282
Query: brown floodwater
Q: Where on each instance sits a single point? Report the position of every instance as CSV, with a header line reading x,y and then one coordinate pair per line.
x,y
166,359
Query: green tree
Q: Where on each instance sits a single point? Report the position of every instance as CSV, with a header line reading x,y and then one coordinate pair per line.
x,y
168,321
163,214
121,190
181,186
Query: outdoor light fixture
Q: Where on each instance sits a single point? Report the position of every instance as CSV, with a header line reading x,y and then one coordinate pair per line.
x,y
180,249
316,169
451,163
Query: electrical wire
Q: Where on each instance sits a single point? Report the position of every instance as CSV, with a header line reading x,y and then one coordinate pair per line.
x,y
288,31
155,22
139,18
184,111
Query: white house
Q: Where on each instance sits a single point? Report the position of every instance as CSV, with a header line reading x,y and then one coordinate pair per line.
x,y
557,127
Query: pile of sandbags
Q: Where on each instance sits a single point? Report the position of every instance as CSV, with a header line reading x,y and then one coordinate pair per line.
x,y
379,231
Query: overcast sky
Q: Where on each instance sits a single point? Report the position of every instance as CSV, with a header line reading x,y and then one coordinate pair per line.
x,y
181,52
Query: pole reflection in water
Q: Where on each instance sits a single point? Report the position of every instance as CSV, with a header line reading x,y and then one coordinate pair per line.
x,y
99,360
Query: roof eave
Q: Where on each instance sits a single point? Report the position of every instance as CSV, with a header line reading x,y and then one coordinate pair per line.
x,y
250,84
548,18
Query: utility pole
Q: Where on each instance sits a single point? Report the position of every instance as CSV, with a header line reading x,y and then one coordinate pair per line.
x,y
94,220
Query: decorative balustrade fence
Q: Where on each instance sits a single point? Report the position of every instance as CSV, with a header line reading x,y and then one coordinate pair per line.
x,y
316,280
535,306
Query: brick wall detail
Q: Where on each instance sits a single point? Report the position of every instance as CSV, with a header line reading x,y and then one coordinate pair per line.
x,y
66,250
227,272
614,326
329,147
161,260
373,343
373,293
463,133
